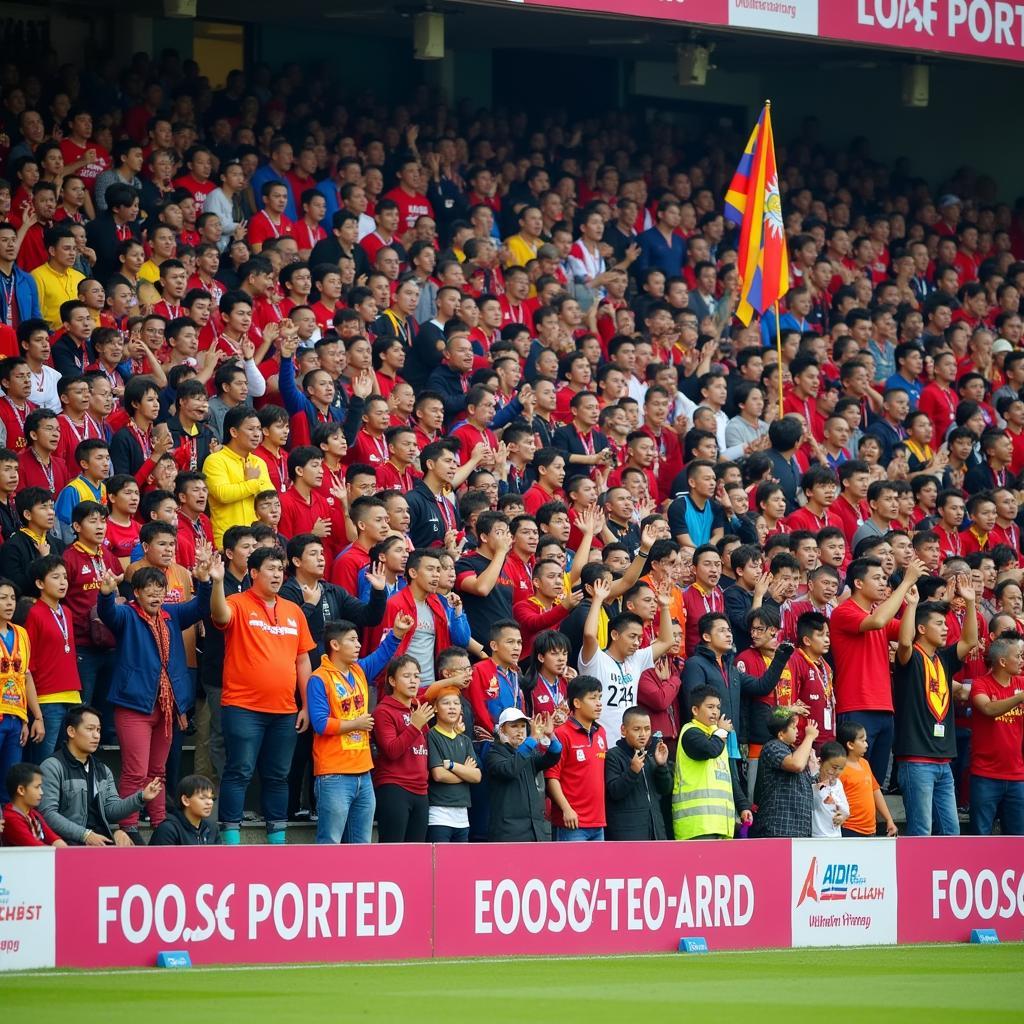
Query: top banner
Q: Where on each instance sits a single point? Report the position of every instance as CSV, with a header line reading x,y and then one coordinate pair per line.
x,y
989,29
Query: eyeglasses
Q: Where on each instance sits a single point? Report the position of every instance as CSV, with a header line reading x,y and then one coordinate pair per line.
x,y
759,630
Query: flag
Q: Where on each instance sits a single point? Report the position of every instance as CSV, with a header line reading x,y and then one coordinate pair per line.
x,y
753,202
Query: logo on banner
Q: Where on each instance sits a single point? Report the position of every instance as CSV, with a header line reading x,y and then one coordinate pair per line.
x,y
836,881
27,928
849,900
919,15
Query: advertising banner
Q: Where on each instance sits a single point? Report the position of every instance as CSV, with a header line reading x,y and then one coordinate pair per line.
x,y
26,909
243,904
991,29
610,897
949,886
844,892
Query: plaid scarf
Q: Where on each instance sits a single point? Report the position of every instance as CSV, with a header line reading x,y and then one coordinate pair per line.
x,y
162,639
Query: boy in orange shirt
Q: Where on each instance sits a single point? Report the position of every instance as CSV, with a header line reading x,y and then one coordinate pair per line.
x,y
862,791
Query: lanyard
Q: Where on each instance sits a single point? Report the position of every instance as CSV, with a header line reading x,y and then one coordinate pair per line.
x,y
511,679
47,469
62,624
554,691
145,439
587,440
447,511
7,292
273,227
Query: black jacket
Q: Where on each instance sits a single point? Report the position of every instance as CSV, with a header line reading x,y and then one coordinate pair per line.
x,y
18,553
631,799
334,604
448,384
701,669
426,524
515,785
203,438
177,830
101,234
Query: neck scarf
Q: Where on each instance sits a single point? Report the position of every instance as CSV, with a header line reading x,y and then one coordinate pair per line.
x,y
162,639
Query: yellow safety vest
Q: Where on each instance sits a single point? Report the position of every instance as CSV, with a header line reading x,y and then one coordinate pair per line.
x,y
702,802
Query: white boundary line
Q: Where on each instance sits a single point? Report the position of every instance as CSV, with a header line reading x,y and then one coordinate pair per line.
x,y
44,973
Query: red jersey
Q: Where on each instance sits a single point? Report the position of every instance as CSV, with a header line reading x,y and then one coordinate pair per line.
x,y
306,235
26,830
72,153
698,603
401,748
537,496
863,680
951,544
850,517
199,189
52,636
191,533
261,227
368,449
668,462
410,207
345,570
13,419
390,479
806,408
277,467
812,683
997,744
373,243
940,406
805,519
85,572
32,472
469,437
580,771
520,575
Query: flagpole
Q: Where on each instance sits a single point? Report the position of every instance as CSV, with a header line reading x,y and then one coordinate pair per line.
x,y
778,348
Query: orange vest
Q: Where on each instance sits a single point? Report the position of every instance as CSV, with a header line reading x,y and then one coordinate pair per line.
x,y
14,664
334,752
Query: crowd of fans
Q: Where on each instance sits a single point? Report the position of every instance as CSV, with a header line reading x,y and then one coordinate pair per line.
x,y
412,459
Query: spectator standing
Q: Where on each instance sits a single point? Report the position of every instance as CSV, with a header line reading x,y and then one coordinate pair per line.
x,y
453,770
783,795
636,776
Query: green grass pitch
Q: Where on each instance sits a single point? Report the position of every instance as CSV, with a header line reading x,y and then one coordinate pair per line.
x,y
926,984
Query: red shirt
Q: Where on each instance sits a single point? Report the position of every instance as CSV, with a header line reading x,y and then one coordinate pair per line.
x,y
85,571
940,405
401,748
305,236
32,473
863,680
368,450
668,462
277,467
469,437
813,684
410,207
121,541
199,189
389,479
849,517
373,243
299,517
20,830
950,544
805,519
520,575
72,153
190,534
537,496
13,420
33,252
261,227
54,669
997,744
697,604
580,770
345,570
807,408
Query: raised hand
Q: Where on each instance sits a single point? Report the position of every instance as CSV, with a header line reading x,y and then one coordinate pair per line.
x,y
362,384
661,753
376,576
152,790
601,587
402,624
913,597
216,568
421,715
109,582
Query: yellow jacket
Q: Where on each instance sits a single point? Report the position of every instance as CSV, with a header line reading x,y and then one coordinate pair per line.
x,y
231,495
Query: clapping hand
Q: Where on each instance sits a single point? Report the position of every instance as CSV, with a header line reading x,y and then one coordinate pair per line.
x,y
375,575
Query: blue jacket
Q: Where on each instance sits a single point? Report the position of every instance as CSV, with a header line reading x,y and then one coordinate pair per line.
x,y
26,295
350,414
135,683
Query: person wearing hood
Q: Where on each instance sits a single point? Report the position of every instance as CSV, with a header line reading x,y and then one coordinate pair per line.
x,y
188,822
635,779
522,751
712,664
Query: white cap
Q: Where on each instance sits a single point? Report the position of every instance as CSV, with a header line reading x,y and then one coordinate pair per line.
x,y
511,715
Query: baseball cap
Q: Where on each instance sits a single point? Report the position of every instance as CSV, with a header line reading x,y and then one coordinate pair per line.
x,y
1001,345
547,252
511,715
949,200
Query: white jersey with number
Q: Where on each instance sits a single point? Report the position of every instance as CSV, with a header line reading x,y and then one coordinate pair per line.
x,y
620,684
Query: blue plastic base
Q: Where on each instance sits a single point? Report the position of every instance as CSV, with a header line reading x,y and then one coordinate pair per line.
x,y
984,937
174,958
698,944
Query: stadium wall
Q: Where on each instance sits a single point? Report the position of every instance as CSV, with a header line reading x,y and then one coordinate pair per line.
x,y
114,908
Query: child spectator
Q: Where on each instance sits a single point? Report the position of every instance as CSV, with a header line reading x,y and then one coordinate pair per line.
x,y
453,770
831,808
515,787
17,690
52,640
863,794
400,774
495,684
23,824
634,782
188,821
152,689
80,801
783,793
338,697
706,791
576,783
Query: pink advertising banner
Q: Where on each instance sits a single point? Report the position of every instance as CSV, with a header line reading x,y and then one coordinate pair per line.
x,y
991,29
610,897
243,904
947,887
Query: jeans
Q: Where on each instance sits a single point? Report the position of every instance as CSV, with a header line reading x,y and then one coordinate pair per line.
x,y
880,732
53,722
346,804
447,834
928,788
145,743
95,668
578,835
301,772
401,815
256,740
217,753
997,798
10,749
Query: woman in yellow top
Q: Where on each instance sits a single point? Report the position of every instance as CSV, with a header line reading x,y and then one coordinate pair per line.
x,y
17,691
523,246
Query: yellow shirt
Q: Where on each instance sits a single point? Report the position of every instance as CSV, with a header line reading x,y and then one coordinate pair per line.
x,y
232,496
13,686
520,251
150,272
54,290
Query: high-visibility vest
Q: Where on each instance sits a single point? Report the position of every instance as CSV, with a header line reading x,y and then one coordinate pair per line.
x,y
702,802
